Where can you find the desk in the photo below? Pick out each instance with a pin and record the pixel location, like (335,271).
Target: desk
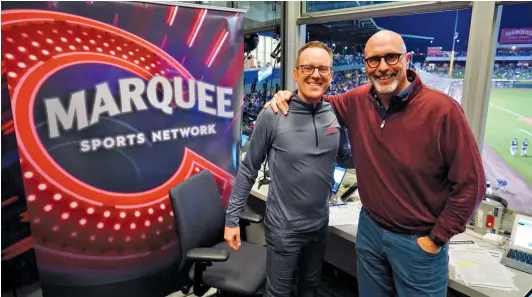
(347,235)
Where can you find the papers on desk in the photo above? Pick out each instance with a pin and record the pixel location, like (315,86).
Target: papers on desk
(477,267)
(347,214)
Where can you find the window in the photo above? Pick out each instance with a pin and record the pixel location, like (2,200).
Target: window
(217,3)
(315,6)
(260,13)
(509,116)
(262,56)
(262,69)
(431,47)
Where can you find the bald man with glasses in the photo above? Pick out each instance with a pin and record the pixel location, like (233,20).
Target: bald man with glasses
(419,173)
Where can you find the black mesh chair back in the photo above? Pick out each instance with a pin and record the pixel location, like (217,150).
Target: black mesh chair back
(198,212)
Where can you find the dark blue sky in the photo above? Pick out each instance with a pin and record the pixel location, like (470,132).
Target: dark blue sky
(440,25)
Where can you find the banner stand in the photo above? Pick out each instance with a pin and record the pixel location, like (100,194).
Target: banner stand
(113,104)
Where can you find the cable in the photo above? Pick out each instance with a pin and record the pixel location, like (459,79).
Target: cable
(496,198)
(277,51)
(265,179)
(273,71)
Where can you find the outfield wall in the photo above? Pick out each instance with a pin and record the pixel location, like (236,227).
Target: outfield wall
(521,84)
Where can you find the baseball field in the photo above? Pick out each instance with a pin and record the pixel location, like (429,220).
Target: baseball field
(509,116)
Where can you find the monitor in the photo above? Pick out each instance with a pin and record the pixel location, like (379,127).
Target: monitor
(520,247)
(338,176)
(522,233)
(245,139)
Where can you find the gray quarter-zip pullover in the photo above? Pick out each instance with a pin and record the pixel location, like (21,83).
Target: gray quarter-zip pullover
(302,149)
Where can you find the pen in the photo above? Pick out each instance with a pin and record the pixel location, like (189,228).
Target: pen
(338,204)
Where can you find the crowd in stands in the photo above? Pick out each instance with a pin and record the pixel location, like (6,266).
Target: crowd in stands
(358,58)
(338,60)
(514,73)
(519,52)
(252,103)
(352,59)
(501,52)
(437,77)
(507,71)
(443,72)
(448,54)
(255,100)
(346,80)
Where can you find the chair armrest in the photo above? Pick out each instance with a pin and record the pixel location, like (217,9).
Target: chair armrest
(207,255)
(250,217)
(203,258)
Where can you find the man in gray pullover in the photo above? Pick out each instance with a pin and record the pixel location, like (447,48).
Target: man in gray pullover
(302,150)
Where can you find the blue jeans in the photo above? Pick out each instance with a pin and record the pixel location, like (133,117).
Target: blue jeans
(392,264)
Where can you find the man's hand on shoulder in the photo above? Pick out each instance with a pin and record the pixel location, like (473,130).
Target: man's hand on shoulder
(279,102)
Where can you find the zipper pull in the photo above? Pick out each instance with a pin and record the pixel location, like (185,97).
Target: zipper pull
(383,123)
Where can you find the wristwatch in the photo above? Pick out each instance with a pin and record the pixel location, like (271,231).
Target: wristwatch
(436,240)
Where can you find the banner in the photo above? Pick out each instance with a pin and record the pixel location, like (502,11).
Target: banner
(264,73)
(434,51)
(516,36)
(113,104)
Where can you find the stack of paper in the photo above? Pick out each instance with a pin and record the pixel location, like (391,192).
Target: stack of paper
(346,214)
(477,267)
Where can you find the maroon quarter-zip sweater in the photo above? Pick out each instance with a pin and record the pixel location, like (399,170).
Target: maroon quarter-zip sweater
(418,166)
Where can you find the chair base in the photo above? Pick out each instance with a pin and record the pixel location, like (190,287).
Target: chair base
(186,291)
(259,293)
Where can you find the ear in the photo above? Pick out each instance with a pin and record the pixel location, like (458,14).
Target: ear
(294,74)
(408,57)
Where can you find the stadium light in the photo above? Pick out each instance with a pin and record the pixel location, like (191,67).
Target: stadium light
(455,37)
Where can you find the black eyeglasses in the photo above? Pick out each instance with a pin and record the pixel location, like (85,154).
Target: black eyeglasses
(391,59)
(309,70)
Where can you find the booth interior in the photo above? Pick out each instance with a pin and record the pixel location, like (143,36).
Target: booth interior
(480,54)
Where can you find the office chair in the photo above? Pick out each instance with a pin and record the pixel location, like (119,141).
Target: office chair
(205,256)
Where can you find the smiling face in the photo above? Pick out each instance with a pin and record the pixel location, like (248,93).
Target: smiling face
(387,63)
(313,72)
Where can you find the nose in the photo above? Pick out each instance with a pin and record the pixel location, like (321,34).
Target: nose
(315,74)
(383,66)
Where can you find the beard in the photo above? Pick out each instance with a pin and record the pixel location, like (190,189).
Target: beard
(385,89)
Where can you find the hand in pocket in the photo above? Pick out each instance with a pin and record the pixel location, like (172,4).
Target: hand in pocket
(428,246)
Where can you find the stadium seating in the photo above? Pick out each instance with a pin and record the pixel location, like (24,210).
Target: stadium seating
(504,75)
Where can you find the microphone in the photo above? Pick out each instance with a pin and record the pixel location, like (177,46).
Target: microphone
(348,192)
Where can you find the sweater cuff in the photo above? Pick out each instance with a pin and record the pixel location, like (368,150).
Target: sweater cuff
(231,222)
(440,235)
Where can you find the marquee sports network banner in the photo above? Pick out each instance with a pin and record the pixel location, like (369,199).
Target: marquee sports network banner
(516,35)
(114,104)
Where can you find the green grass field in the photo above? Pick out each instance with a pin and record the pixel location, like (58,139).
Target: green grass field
(509,116)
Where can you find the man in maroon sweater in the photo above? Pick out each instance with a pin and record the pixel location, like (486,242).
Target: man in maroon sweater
(419,173)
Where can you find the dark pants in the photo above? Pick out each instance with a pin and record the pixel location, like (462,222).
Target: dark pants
(290,251)
(390,263)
